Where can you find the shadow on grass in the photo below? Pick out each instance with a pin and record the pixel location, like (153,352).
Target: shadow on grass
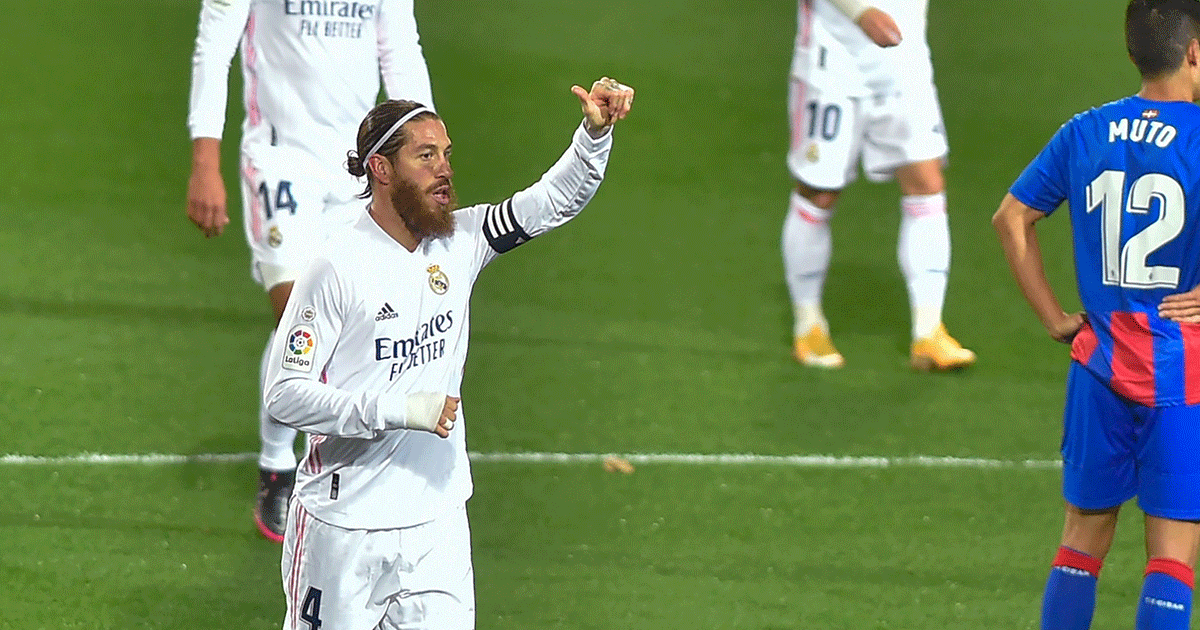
(64,308)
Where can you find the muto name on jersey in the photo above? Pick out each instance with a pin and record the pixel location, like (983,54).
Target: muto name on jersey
(425,345)
(354,14)
(1142,130)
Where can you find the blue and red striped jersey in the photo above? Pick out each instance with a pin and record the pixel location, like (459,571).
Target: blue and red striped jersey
(1130,172)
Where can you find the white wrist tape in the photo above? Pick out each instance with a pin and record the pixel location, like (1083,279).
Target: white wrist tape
(852,8)
(423,410)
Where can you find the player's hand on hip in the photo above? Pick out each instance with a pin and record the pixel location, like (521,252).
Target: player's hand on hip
(449,415)
(1065,328)
(1181,307)
(206,202)
(880,27)
(606,103)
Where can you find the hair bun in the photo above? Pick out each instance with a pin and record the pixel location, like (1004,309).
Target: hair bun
(355,165)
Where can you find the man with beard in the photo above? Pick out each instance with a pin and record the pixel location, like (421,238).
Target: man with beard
(369,362)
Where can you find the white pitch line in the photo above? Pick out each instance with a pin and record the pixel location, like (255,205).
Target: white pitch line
(716,459)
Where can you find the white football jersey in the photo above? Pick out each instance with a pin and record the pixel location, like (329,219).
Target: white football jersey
(311,69)
(370,322)
(851,57)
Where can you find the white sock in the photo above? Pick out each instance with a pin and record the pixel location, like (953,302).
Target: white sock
(278,440)
(924,253)
(807,247)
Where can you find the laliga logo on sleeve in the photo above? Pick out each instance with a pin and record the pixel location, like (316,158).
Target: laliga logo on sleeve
(298,351)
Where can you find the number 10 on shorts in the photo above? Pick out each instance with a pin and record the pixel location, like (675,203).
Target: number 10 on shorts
(827,120)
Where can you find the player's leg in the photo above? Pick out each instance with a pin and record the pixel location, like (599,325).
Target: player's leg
(1099,474)
(1166,598)
(277,456)
(282,215)
(807,248)
(907,140)
(923,250)
(823,154)
(330,574)
(1069,598)
(1168,470)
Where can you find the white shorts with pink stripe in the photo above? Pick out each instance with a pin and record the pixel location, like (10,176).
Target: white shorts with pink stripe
(291,204)
(843,115)
(390,579)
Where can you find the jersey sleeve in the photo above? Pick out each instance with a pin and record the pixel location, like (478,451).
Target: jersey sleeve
(294,391)
(1044,184)
(401,61)
(222,23)
(555,199)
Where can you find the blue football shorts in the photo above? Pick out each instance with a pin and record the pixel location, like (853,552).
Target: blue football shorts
(1114,449)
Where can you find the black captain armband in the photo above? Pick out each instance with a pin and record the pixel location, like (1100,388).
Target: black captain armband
(501,229)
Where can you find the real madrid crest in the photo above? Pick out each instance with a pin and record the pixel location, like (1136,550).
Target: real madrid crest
(813,153)
(274,237)
(438,280)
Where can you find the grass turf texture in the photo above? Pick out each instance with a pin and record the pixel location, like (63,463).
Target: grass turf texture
(656,322)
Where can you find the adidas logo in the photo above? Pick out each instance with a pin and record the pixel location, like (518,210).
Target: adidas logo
(387,312)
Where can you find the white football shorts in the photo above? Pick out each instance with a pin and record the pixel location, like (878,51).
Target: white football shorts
(414,578)
(291,203)
(844,113)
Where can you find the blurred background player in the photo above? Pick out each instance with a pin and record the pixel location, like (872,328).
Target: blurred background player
(862,90)
(311,74)
(1132,421)
(370,360)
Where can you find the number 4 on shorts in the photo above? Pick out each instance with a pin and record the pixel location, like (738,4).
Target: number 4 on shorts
(310,611)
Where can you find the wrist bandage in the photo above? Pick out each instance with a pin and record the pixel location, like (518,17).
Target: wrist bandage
(423,410)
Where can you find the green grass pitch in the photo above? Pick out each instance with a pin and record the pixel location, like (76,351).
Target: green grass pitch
(657,322)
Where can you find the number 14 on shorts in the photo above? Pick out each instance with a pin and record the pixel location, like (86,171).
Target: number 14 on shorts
(283,198)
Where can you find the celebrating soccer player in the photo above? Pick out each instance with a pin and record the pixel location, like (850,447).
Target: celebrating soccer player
(1132,422)
(369,361)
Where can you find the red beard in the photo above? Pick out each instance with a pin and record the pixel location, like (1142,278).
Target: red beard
(423,216)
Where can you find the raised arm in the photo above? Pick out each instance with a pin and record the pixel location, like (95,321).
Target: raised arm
(401,61)
(222,23)
(569,184)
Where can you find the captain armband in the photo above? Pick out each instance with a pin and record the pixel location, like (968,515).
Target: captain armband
(501,229)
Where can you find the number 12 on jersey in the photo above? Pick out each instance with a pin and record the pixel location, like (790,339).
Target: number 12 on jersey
(1125,266)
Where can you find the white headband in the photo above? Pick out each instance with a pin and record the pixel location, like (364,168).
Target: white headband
(399,123)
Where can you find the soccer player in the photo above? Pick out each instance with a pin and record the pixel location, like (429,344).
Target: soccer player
(1131,425)
(860,92)
(369,361)
(312,71)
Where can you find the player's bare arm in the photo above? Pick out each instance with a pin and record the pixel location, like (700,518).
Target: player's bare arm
(879,27)
(1014,223)
(607,102)
(206,191)
(877,24)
